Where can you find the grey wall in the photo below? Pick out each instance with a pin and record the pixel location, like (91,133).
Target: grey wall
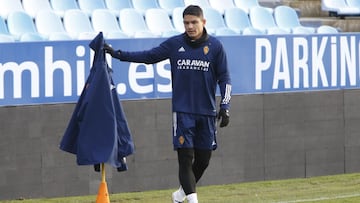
(272,136)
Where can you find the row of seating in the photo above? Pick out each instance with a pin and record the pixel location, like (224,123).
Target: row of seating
(341,8)
(47,24)
(32,7)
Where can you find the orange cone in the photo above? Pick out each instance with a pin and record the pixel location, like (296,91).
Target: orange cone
(103,194)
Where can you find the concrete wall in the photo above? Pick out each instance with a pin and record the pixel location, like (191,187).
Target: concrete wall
(272,136)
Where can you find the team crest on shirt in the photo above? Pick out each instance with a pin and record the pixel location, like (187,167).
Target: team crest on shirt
(206,50)
(181,140)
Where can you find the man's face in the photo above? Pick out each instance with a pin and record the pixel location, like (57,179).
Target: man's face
(194,26)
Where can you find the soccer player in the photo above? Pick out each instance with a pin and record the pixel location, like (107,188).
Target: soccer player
(198,64)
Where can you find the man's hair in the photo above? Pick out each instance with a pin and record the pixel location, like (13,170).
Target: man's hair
(193,10)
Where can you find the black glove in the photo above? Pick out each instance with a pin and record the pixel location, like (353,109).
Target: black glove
(224,116)
(108,49)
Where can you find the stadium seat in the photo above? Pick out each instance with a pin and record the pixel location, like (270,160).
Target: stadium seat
(326,29)
(32,7)
(88,6)
(246,5)
(60,6)
(87,35)
(116,5)
(263,20)
(222,5)
(236,19)
(48,22)
(3,27)
(9,6)
(214,20)
(116,35)
(4,33)
(353,3)
(287,18)
(303,30)
(170,5)
(76,22)
(6,38)
(252,31)
(57,36)
(143,5)
(170,33)
(158,21)
(202,3)
(103,20)
(132,21)
(339,8)
(31,37)
(225,32)
(145,34)
(20,23)
(177,19)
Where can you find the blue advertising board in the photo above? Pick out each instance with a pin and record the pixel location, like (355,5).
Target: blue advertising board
(55,72)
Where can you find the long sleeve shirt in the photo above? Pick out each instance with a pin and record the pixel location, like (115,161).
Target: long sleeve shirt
(196,69)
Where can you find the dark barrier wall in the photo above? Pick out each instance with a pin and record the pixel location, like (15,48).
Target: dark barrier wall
(271,136)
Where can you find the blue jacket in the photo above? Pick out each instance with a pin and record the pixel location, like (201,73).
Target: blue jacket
(196,69)
(98,130)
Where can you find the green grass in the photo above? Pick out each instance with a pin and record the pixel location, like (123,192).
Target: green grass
(333,189)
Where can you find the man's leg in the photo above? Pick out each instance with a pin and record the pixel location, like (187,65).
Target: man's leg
(201,162)
(186,174)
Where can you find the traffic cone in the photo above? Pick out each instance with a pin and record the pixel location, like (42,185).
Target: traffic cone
(103,194)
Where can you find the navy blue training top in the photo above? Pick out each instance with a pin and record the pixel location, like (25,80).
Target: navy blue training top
(195,72)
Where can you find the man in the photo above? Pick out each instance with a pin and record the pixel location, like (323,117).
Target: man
(198,63)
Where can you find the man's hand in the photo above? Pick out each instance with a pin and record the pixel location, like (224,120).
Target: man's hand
(108,49)
(224,116)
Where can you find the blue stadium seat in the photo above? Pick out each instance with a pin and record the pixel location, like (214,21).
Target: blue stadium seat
(252,31)
(20,23)
(263,20)
(222,5)
(339,8)
(246,5)
(32,7)
(236,19)
(3,27)
(88,6)
(31,37)
(116,35)
(132,21)
(9,6)
(225,32)
(177,19)
(145,34)
(4,33)
(6,38)
(57,36)
(116,5)
(214,20)
(326,29)
(158,22)
(77,22)
(287,18)
(170,5)
(202,3)
(48,22)
(353,3)
(103,20)
(60,6)
(143,5)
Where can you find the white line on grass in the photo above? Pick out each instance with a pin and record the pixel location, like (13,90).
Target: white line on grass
(321,198)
